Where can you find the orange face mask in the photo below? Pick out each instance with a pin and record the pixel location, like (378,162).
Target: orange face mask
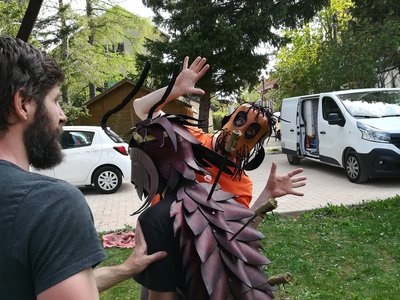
(250,124)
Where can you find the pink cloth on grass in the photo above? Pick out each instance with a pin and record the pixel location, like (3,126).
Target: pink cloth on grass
(119,239)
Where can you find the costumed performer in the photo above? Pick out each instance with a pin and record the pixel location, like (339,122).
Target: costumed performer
(212,254)
(251,122)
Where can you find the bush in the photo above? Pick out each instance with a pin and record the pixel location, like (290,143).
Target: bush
(217,119)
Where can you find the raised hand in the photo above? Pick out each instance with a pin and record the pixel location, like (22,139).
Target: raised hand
(279,186)
(188,77)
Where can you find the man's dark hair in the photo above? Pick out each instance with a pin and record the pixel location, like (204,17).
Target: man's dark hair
(25,68)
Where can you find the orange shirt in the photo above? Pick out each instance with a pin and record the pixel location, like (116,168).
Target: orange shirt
(243,188)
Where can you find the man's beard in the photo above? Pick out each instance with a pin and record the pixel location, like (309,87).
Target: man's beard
(42,142)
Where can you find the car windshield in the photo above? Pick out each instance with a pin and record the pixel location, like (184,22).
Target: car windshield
(372,104)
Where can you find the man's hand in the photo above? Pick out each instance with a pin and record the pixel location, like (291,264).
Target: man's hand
(107,277)
(188,77)
(278,186)
(139,260)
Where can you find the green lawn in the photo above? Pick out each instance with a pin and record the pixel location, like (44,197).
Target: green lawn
(332,253)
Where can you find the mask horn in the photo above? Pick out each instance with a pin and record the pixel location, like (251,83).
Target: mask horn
(29,19)
(166,93)
(225,120)
(128,98)
(256,161)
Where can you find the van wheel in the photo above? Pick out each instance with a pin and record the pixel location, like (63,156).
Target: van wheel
(354,171)
(293,159)
(107,180)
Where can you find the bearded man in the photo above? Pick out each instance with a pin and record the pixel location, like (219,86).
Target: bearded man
(49,245)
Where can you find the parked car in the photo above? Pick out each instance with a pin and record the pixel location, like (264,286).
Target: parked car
(92,157)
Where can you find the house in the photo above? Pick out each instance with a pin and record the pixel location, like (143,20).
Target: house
(122,121)
(267,85)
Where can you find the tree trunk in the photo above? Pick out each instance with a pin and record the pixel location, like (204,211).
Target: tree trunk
(204,111)
(89,14)
(64,47)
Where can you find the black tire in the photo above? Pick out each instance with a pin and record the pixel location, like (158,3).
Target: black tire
(293,159)
(107,180)
(355,172)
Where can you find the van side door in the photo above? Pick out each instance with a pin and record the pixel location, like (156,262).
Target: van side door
(331,131)
(290,125)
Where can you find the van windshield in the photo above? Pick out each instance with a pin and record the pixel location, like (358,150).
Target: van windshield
(372,104)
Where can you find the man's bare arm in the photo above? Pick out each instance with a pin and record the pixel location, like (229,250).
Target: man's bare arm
(184,84)
(79,286)
(106,277)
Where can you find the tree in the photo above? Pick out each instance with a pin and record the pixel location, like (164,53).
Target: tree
(297,62)
(227,33)
(378,23)
(11,14)
(96,48)
(314,60)
(348,45)
(249,95)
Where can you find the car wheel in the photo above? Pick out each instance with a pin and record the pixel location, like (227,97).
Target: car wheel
(354,171)
(107,180)
(293,159)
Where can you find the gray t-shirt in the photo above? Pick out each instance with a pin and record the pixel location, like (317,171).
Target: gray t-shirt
(46,232)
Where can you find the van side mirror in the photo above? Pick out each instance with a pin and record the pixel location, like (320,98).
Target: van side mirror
(335,119)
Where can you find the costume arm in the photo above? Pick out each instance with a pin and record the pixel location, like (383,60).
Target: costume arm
(184,84)
(106,277)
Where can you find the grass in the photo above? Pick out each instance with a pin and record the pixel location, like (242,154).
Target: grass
(333,253)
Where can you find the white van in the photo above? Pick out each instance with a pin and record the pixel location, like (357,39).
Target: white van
(358,130)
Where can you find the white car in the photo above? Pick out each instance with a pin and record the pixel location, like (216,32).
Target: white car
(92,157)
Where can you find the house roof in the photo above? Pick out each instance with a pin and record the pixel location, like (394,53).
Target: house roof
(115,86)
(268,84)
(183,100)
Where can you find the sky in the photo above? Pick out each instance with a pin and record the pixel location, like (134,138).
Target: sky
(136,7)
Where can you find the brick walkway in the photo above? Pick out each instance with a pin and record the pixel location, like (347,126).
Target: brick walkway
(325,185)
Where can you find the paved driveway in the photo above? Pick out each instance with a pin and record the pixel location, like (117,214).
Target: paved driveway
(325,184)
